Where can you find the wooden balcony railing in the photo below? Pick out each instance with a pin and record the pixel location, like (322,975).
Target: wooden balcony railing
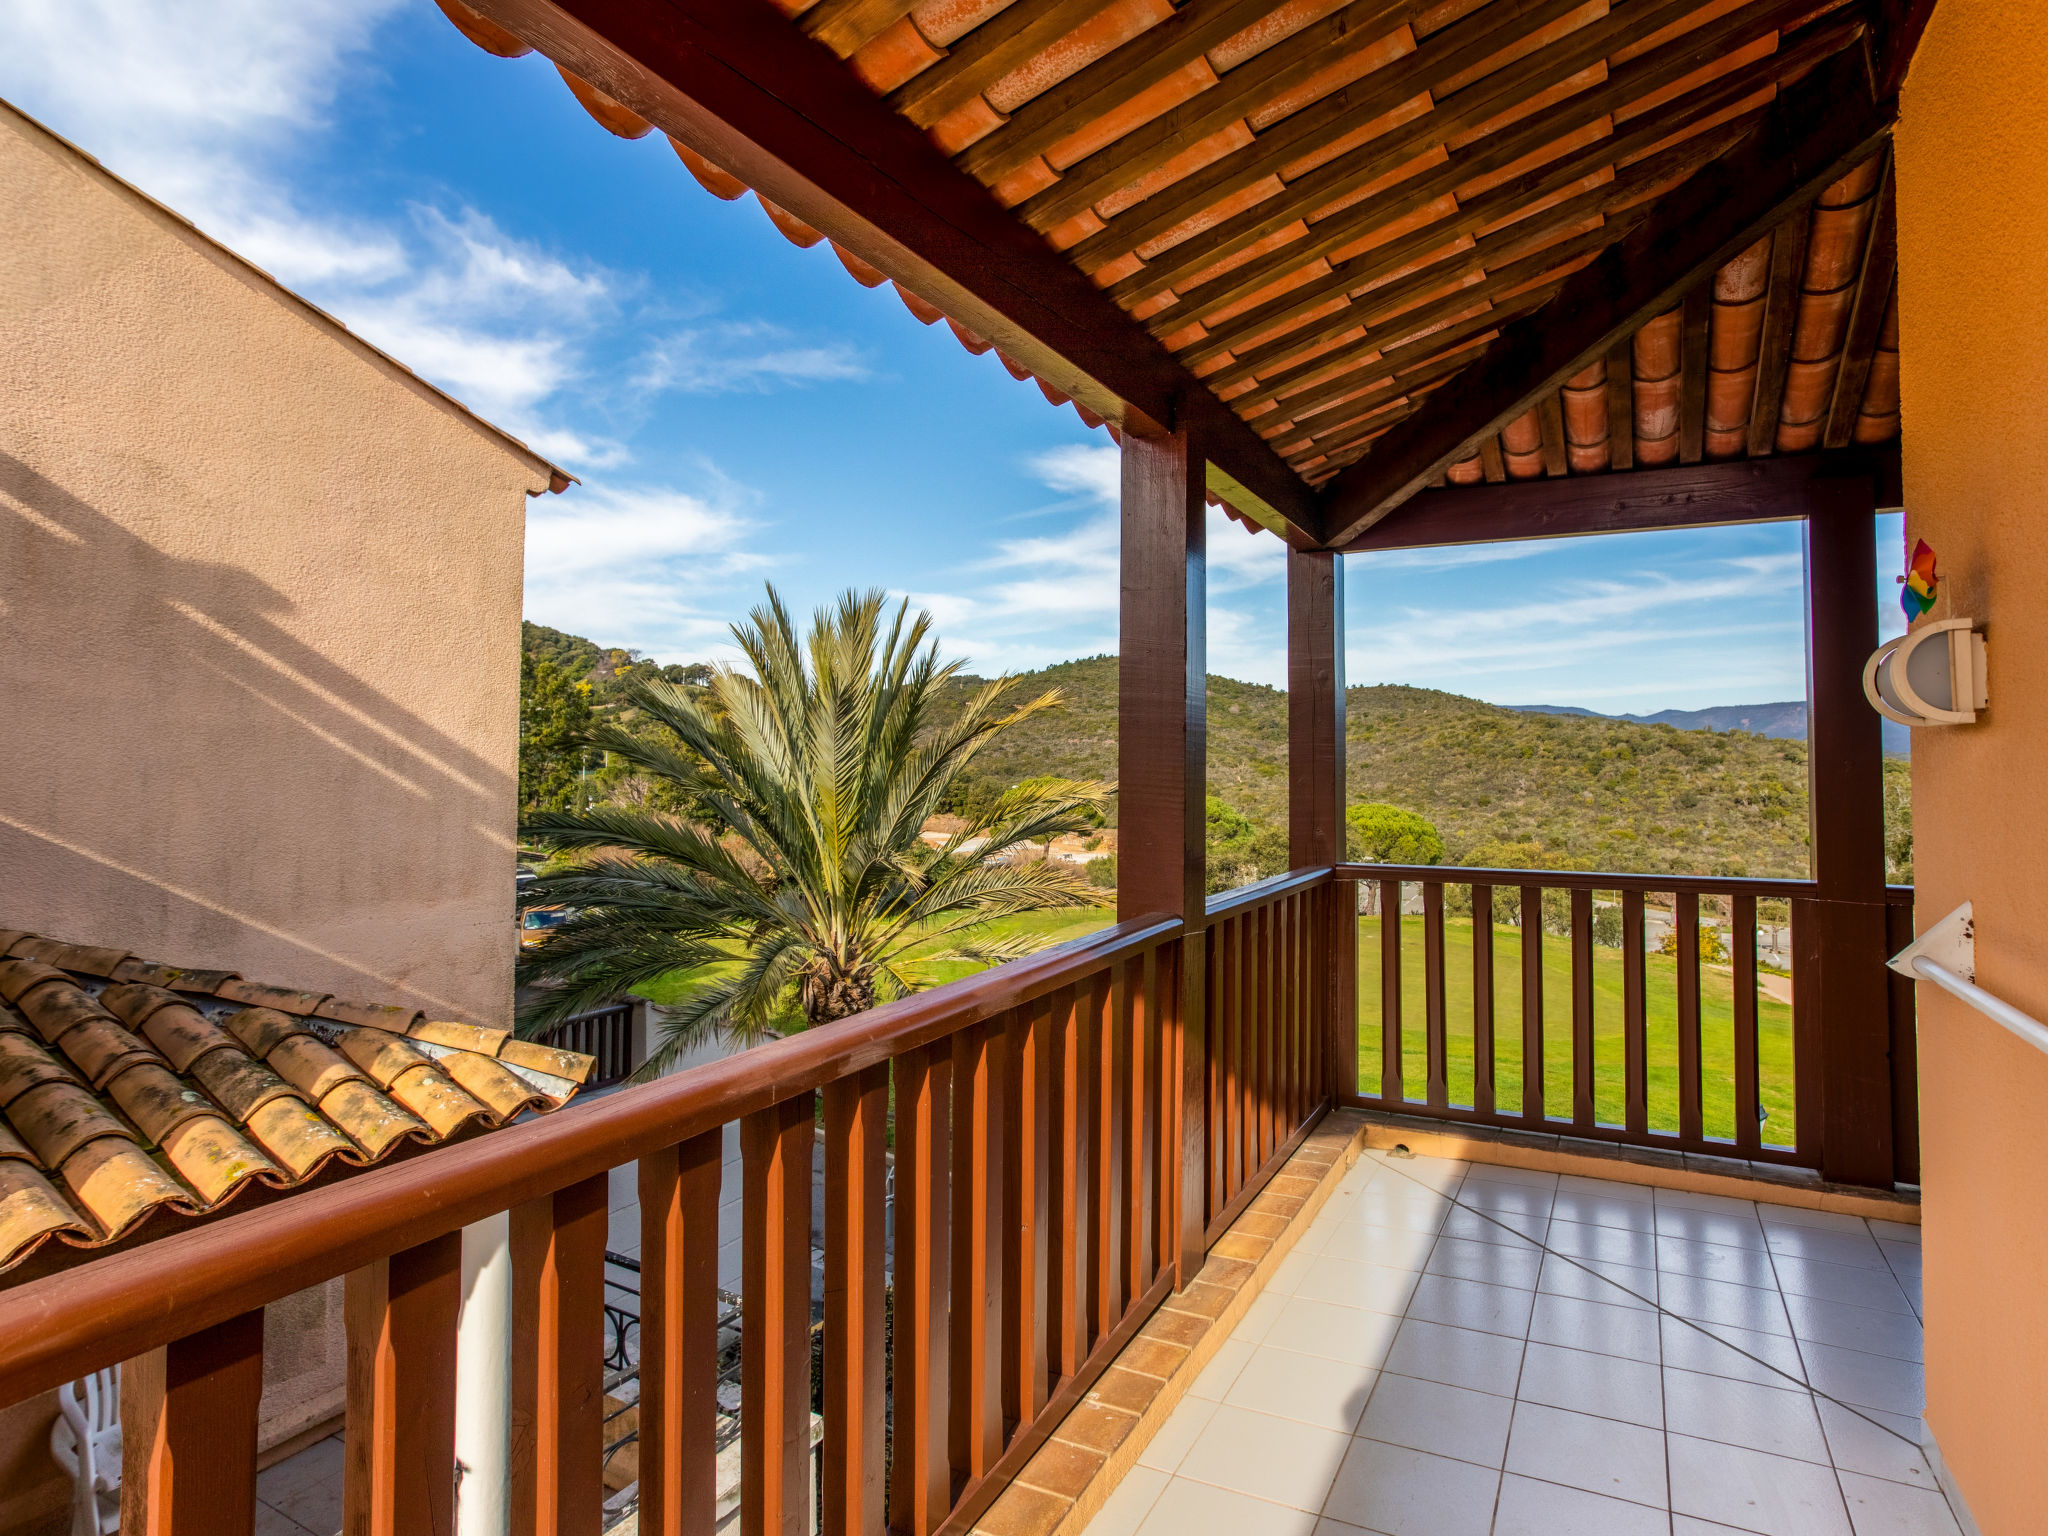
(1064,1143)
(1521,1020)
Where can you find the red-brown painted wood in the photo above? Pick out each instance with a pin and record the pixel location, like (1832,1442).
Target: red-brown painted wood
(1582,1009)
(1686,916)
(1067,1182)
(1742,932)
(975,1334)
(1390,990)
(1109,1060)
(188,1419)
(1482,998)
(679,1337)
(1635,1043)
(920,1478)
(856,1195)
(775,1351)
(1532,1002)
(1434,1010)
(1028,1115)
(399,1471)
(1344,987)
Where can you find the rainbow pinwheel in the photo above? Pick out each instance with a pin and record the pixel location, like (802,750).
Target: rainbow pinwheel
(1916,590)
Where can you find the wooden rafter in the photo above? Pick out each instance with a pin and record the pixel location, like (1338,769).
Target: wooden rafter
(1812,133)
(1682,496)
(743,88)
(1866,320)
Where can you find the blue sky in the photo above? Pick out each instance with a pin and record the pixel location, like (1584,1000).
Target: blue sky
(740,410)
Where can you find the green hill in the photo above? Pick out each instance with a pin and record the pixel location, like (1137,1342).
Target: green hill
(1503,786)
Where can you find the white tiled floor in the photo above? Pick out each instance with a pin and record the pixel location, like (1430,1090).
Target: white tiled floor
(1479,1351)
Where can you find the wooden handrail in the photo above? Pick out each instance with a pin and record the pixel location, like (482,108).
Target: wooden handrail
(123,1305)
(1599,880)
(1230,903)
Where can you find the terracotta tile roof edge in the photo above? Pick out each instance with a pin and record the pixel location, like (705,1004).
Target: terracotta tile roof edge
(130,1087)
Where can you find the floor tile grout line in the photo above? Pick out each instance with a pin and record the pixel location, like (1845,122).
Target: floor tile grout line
(1662,1311)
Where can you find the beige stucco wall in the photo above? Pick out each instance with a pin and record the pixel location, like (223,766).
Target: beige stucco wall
(1973,262)
(259,617)
(259,653)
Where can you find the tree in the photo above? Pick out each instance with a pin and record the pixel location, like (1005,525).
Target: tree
(803,881)
(1239,850)
(554,715)
(1386,834)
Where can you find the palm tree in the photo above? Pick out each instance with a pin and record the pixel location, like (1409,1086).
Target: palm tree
(801,868)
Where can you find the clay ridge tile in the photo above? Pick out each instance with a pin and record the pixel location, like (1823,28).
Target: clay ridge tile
(377,1015)
(32,1210)
(429,1093)
(384,1056)
(13,1146)
(215,1159)
(154,1098)
(290,1130)
(184,1035)
(86,959)
(460,1037)
(9,937)
(371,1120)
(182,978)
(313,1068)
(503,1091)
(260,995)
(117,1184)
(573,1065)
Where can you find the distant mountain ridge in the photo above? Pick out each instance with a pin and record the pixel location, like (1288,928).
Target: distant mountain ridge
(1785,721)
(1780,722)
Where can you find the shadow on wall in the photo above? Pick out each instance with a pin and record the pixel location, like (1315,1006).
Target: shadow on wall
(181,772)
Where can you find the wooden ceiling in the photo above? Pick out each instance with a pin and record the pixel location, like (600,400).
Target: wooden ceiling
(1398,243)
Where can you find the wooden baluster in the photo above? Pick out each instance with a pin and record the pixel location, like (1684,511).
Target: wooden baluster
(1316,936)
(558,1360)
(1290,1015)
(1391,1085)
(1634,1017)
(1344,984)
(399,1471)
(1171,1110)
(1438,1033)
(1067,1180)
(1742,932)
(920,1481)
(1245,1028)
(1532,1002)
(775,1318)
(1106,1158)
(1297,1013)
(1482,999)
(1184,1072)
(188,1422)
(856,1197)
(975,1394)
(1582,1009)
(1269,1031)
(1217,996)
(1808,1062)
(1139,1106)
(679,1337)
(1027,1211)
(1687,916)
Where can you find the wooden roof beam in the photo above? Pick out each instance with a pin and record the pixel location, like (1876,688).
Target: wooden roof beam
(1813,133)
(1683,496)
(743,86)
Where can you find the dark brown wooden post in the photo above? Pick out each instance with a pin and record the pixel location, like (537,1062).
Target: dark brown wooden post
(1161,763)
(1316,794)
(1841,931)
(188,1416)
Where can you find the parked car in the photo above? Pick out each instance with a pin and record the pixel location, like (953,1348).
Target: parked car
(536,924)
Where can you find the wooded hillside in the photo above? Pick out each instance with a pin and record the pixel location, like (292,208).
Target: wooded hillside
(1503,786)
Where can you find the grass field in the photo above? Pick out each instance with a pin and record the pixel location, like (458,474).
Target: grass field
(1717,1047)
(1054,927)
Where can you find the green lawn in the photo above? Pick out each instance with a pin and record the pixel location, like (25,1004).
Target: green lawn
(1717,1051)
(1056,927)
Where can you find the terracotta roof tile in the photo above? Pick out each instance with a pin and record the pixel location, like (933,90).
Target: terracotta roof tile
(129,1087)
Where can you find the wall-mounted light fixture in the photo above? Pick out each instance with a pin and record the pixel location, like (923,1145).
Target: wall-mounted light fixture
(1931,675)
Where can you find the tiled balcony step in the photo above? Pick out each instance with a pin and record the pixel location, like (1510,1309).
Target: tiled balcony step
(1547,1152)
(1062,1487)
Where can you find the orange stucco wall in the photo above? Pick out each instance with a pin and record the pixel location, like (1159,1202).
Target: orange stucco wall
(1973,261)
(259,617)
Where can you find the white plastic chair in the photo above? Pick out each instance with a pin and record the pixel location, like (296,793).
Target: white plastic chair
(86,1442)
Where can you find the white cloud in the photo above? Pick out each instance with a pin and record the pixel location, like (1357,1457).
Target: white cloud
(651,566)
(743,357)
